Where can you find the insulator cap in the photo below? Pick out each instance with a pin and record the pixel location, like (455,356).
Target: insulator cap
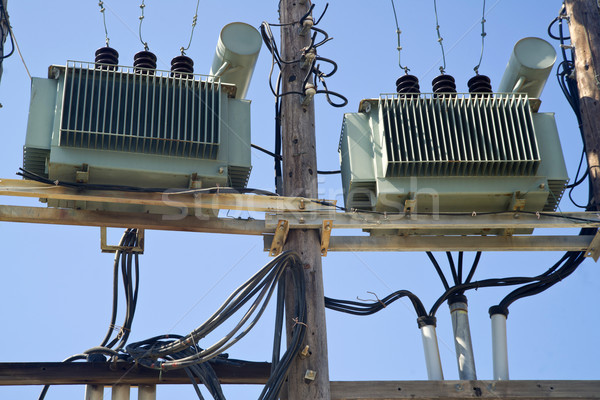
(182,67)
(408,85)
(144,62)
(498,310)
(107,56)
(444,85)
(480,85)
(457,298)
(426,320)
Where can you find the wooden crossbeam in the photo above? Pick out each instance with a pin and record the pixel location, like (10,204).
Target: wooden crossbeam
(68,216)
(452,390)
(245,372)
(82,373)
(192,198)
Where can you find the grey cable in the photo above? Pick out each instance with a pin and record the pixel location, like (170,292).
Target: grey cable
(194,21)
(102,9)
(483,35)
(440,38)
(142,6)
(398,32)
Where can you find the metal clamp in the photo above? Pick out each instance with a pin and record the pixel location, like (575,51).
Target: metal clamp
(325,235)
(594,248)
(106,248)
(281,232)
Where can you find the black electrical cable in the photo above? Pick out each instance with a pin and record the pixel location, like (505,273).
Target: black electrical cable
(329,172)
(460,266)
(278,325)
(473,267)
(362,308)
(266,151)
(130,275)
(452,268)
(167,352)
(438,269)
(570,261)
(4,18)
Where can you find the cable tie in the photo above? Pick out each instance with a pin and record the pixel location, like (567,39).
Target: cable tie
(296,322)
(56,182)
(473,214)
(537,214)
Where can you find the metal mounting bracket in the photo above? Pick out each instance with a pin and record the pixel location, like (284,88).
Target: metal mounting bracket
(106,248)
(594,249)
(325,235)
(281,232)
(517,203)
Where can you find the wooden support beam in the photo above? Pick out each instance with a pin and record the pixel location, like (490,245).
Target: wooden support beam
(421,223)
(452,390)
(192,198)
(82,373)
(455,243)
(68,216)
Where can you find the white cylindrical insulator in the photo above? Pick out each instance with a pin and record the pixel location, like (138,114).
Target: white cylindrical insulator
(499,347)
(94,392)
(462,341)
(432,353)
(147,392)
(121,392)
(236,55)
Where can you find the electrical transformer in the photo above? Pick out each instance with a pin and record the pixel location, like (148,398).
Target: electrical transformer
(105,124)
(454,153)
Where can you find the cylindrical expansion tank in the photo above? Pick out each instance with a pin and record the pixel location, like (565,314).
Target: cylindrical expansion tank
(528,68)
(236,55)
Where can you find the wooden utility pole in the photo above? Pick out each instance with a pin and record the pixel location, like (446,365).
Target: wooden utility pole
(308,377)
(584,27)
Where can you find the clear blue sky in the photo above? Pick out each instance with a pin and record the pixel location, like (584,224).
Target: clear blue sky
(57,284)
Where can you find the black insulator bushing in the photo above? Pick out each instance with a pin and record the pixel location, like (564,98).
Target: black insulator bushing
(444,85)
(107,56)
(182,67)
(144,62)
(408,84)
(480,85)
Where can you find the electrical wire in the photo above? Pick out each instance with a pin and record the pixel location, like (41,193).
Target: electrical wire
(142,6)
(313,70)
(102,11)
(194,21)
(483,35)
(440,39)
(166,352)
(129,264)
(398,33)
(362,308)
(438,269)
(14,41)
(565,74)
(171,191)
(4,20)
